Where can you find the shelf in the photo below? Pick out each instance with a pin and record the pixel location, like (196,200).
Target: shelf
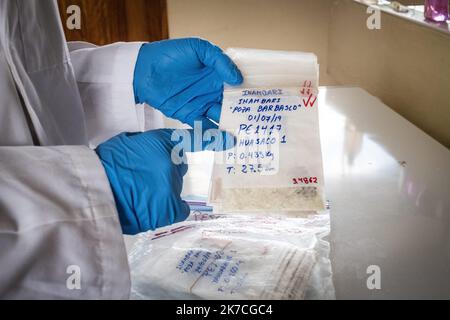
(415,14)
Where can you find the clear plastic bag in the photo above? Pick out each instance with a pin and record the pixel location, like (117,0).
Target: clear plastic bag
(276,165)
(233,257)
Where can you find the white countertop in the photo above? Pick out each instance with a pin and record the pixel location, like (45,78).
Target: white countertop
(389,187)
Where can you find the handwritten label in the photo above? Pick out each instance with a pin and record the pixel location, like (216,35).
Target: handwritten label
(277,151)
(262,117)
(219,267)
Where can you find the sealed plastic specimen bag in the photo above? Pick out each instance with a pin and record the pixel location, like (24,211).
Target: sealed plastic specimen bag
(233,257)
(277,163)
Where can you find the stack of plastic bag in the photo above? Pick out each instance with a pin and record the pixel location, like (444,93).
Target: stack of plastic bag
(233,257)
(270,68)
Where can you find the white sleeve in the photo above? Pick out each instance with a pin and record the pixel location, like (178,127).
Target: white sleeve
(60,235)
(105,81)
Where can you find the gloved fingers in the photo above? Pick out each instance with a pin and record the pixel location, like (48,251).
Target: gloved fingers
(212,56)
(212,138)
(190,140)
(167,209)
(182,90)
(227,70)
(214,112)
(183,211)
(218,140)
(182,167)
(202,124)
(215,139)
(191,107)
(209,105)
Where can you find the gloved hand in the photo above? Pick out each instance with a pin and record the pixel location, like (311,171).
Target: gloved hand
(145,180)
(184,78)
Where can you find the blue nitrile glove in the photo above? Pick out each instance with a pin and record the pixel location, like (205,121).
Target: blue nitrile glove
(146,180)
(183,78)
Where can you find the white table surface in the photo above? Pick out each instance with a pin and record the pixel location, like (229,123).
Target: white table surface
(389,187)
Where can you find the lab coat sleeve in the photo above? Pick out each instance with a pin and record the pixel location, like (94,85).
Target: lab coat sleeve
(105,80)
(60,235)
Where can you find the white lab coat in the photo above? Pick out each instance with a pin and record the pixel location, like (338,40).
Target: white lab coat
(105,76)
(58,219)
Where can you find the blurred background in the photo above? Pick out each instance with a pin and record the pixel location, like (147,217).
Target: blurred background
(405,63)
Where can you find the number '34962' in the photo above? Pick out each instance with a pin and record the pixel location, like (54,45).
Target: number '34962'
(304,180)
